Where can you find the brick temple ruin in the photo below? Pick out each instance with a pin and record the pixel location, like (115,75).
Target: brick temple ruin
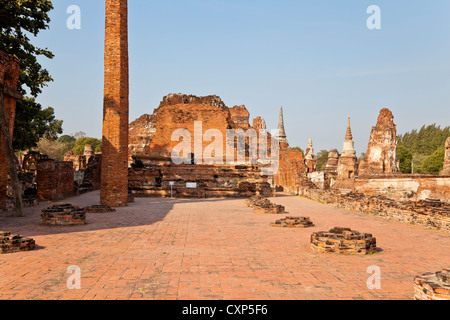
(137,158)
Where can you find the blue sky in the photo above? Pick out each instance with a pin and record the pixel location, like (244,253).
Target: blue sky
(316,58)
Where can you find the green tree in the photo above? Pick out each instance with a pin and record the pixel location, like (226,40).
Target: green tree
(405,157)
(33,123)
(82,142)
(67,139)
(322,159)
(434,163)
(20,19)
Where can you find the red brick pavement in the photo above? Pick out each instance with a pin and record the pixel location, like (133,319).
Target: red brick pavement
(212,249)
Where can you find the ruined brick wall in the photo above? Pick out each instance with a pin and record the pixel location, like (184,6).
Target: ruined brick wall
(9,76)
(292,165)
(406,187)
(446,170)
(428,213)
(114,182)
(79,162)
(381,156)
(55,180)
(151,135)
(240,117)
(152,179)
(92,174)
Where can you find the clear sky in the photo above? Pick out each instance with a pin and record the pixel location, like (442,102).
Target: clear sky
(316,58)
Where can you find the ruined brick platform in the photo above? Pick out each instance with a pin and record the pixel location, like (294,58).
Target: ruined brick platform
(293,222)
(263,205)
(14,243)
(344,241)
(63,215)
(99,208)
(433,286)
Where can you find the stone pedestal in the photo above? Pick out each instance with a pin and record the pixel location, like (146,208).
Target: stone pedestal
(433,286)
(343,241)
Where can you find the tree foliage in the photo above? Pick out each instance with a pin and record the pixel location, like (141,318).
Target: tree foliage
(434,163)
(18,20)
(82,142)
(322,159)
(424,148)
(33,123)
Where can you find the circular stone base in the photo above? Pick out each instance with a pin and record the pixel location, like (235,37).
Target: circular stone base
(433,286)
(293,222)
(343,241)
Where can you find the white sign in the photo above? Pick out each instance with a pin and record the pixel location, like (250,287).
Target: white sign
(191,185)
(171,183)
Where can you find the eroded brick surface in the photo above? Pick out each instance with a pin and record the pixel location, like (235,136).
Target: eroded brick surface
(9,75)
(11,243)
(293,222)
(264,205)
(433,286)
(343,241)
(114,172)
(63,215)
(54,179)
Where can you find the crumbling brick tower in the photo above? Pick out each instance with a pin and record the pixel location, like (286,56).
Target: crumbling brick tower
(9,76)
(114,176)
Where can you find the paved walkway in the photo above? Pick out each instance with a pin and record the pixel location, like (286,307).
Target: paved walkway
(212,249)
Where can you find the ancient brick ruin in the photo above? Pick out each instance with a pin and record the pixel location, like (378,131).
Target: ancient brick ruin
(433,286)
(12,243)
(428,213)
(99,208)
(63,215)
(347,167)
(310,158)
(281,136)
(158,177)
(55,180)
(293,222)
(114,172)
(151,135)
(381,156)
(9,76)
(446,170)
(343,241)
(264,206)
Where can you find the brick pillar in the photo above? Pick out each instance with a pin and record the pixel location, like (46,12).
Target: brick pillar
(114,175)
(9,76)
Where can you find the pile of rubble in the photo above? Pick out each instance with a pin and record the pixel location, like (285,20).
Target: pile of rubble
(63,215)
(98,208)
(293,222)
(344,241)
(263,205)
(433,286)
(429,213)
(14,243)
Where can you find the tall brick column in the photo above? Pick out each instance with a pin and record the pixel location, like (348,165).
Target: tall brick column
(9,76)
(114,176)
